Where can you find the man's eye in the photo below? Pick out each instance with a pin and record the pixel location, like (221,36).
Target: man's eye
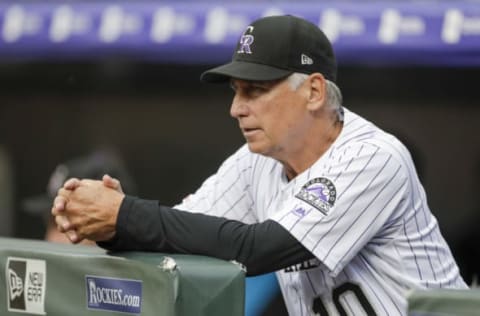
(257,89)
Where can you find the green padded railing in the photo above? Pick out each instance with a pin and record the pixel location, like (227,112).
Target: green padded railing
(40,278)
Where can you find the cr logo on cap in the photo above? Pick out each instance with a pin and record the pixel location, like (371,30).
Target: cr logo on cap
(245,41)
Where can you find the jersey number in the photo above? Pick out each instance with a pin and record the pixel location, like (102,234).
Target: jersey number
(320,309)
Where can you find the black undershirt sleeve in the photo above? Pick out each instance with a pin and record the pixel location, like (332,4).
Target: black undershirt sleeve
(144,225)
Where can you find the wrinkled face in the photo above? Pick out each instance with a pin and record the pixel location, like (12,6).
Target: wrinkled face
(271,115)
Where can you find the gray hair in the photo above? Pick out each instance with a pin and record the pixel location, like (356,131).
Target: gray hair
(334,95)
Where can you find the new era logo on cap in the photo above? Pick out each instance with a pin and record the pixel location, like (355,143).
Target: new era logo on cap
(306,60)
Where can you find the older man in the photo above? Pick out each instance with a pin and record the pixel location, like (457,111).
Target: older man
(318,194)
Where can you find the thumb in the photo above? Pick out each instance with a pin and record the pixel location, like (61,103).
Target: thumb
(112,183)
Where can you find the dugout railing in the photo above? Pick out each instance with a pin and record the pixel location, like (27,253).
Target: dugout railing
(40,278)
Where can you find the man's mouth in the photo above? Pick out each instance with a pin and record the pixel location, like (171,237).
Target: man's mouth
(249,131)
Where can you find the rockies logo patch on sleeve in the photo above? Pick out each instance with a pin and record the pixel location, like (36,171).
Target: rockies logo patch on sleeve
(319,193)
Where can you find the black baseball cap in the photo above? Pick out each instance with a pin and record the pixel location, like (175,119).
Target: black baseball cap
(274,47)
(91,166)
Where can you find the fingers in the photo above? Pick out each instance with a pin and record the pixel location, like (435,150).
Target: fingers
(112,183)
(74,237)
(71,184)
(59,209)
(60,201)
(59,204)
(66,227)
(63,224)
(88,208)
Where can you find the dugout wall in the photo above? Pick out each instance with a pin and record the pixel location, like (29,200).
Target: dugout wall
(40,278)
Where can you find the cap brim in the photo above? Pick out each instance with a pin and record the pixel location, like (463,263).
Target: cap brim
(37,205)
(244,71)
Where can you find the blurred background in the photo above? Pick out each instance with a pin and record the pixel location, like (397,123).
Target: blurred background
(81,75)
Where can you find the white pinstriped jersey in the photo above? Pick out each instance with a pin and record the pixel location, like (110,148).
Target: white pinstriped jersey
(360,209)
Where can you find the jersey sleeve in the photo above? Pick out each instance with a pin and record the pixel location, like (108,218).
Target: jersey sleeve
(227,192)
(345,203)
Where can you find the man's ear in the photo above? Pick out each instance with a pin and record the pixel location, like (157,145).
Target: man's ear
(318,91)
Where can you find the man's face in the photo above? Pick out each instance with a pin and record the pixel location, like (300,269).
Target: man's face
(271,116)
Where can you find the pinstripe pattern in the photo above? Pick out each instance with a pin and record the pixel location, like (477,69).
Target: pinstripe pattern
(350,227)
(379,237)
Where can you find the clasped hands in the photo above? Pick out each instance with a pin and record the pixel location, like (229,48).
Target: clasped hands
(88,209)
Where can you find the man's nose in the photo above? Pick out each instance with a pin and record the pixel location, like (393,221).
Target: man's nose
(238,108)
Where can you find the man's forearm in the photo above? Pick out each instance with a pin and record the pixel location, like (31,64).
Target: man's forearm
(147,226)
